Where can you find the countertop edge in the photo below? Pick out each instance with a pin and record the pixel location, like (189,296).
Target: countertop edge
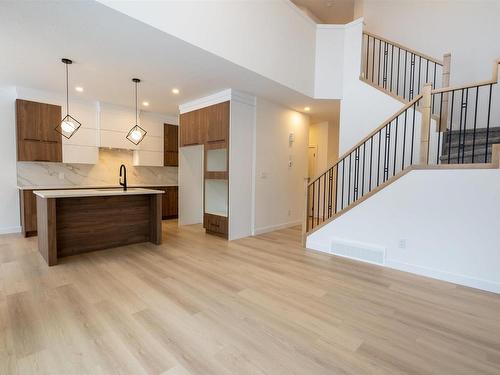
(81,193)
(54,187)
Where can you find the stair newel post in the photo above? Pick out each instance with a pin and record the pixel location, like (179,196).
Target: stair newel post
(445,83)
(425,124)
(306,211)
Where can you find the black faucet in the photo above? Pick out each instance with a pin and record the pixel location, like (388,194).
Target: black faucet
(124,183)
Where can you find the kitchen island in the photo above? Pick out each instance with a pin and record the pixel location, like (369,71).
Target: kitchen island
(76,221)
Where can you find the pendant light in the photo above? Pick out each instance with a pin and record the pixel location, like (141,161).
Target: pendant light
(136,134)
(69,125)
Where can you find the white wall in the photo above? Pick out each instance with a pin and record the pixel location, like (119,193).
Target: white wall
(241,168)
(466,29)
(363,107)
(272,38)
(9,196)
(448,220)
(329,61)
(279,189)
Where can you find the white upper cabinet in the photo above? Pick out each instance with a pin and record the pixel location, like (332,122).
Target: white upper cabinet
(114,124)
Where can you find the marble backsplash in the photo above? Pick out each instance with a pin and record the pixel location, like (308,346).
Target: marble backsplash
(104,173)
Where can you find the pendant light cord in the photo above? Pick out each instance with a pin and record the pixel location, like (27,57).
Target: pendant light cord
(67,91)
(136,103)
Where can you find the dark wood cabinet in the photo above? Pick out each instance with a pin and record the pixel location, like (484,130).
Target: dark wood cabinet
(218,123)
(28,212)
(37,139)
(171,145)
(215,224)
(192,128)
(170,205)
(209,125)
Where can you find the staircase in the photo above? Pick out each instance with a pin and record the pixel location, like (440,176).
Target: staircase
(469,146)
(438,125)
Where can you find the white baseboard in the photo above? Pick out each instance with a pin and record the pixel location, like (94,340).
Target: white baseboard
(9,230)
(272,228)
(490,286)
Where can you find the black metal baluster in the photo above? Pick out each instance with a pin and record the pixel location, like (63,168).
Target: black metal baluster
(312,204)
(434,83)
(413,131)
(427,72)
(355,183)
(308,194)
(373,61)
(330,188)
(324,196)
(392,64)
(475,125)
(404,142)
(419,85)
(405,69)
(386,65)
(367,54)
(399,63)
(395,145)
(319,199)
(343,183)
(465,122)
(488,127)
(363,178)
(379,146)
(378,66)
(349,182)
(451,125)
(460,127)
(371,164)
(411,82)
(336,187)
(387,145)
(439,149)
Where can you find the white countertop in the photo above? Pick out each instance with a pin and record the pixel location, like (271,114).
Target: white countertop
(64,187)
(75,193)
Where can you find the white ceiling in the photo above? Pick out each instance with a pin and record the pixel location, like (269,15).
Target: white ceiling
(329,11)
(109,48)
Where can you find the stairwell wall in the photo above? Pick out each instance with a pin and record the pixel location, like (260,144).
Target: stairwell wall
(363,107)
(437,223)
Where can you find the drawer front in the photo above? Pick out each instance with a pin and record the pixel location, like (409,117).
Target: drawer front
(215,224)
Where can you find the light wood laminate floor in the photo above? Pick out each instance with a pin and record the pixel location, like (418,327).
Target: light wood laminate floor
(263,305)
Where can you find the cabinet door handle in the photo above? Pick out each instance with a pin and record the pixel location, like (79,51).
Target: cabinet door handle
(32,139)
(217,140)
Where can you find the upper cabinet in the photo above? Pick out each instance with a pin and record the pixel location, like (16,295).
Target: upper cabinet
(209,125)
(171,145)
(37,139)
(218,123)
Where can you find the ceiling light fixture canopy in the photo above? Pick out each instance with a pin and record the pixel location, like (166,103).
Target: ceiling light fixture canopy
(136,134)
(69,125)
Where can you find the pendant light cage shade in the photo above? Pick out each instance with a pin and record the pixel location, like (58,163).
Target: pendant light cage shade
(136,134)
(68,126)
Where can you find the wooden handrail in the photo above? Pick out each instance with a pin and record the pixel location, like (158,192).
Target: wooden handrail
(398,45)
(371,134)
(492,81)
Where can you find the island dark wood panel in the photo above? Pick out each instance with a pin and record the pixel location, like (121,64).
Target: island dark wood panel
(69,226)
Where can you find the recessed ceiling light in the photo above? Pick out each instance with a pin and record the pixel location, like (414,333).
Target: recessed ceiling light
(79,88)
(307,109)
(145,104)
(175,91)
